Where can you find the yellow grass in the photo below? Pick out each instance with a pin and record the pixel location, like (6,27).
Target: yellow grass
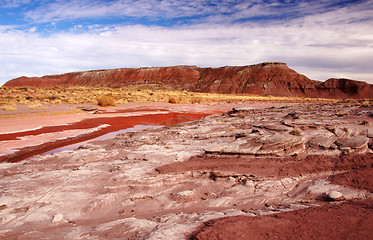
(105,100)
(38,106)
(40,97)
(9,108)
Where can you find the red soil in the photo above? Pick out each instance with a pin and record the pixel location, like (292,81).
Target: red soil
(350,220)
(270,167)
(362,178)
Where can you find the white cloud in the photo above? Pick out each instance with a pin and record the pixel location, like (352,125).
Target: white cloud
(337,43)
(32,30)
(199,10)
(13,3)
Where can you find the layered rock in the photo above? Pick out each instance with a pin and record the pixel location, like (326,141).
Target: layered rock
(164,183)
(268,78)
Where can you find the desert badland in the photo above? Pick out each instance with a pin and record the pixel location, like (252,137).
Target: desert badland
(240,152)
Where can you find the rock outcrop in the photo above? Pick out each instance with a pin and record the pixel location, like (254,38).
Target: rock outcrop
(268,78)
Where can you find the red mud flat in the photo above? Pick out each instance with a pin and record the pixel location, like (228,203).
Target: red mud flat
(273,167)
(350,220)
(362,178)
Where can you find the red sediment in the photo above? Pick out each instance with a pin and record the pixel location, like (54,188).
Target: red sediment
(362,178)
(351,220)
(270,167)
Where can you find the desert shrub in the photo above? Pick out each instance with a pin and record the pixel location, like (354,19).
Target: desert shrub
(56,101)
(105,100)
(172,100)
(195,100)
(296,132)
(37,106)
(365,122)
(9,108)
(365,103)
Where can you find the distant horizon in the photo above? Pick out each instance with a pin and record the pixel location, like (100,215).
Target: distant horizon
(319,39)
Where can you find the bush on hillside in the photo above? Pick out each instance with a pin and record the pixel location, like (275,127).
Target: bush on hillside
(105,100)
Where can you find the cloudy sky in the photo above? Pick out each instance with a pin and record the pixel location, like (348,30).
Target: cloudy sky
(320,39)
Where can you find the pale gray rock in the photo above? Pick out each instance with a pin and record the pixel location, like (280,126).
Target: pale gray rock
(89,146)
(277,127)
(57,218)
(322,142)
(243,109)
(333,146)
(88,108)
(368,113)
(250,148)
(352,142)
(215,148)
(287,123)
(370,133)
(335,196)
(275,144)
(292,115)
(336,131)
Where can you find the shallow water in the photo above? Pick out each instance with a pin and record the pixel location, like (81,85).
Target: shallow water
(116,125)
(109,135)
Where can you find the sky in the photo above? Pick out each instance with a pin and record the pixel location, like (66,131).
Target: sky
(320,39)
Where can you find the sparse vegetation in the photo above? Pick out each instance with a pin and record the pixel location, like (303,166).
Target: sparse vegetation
(9,108)
(172,100)
(340,113)
(366,103)
(38,106)
(148,93)
(365,122)
(105,100)
(296,132)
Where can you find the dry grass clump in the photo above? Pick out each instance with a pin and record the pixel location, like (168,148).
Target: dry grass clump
(365,122)
(105,100)
(37,106)
(9,108)
(296,132)
(366,103)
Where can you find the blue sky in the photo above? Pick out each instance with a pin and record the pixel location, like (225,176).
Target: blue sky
(320,39)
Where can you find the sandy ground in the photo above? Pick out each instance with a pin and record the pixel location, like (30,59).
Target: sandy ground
(260,170)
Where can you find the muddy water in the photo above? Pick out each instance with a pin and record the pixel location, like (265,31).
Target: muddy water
(115,125)
(109,135)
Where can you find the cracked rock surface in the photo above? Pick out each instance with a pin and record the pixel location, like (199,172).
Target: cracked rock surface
(166,183)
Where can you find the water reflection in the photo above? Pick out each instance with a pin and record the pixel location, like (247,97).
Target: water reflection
(109,135)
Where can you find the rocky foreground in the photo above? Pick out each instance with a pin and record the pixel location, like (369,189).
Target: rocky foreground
(295,171)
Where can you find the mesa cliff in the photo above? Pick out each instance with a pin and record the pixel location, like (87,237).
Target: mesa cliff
(268,78)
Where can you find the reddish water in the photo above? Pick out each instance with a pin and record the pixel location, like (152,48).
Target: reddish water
(116,124)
